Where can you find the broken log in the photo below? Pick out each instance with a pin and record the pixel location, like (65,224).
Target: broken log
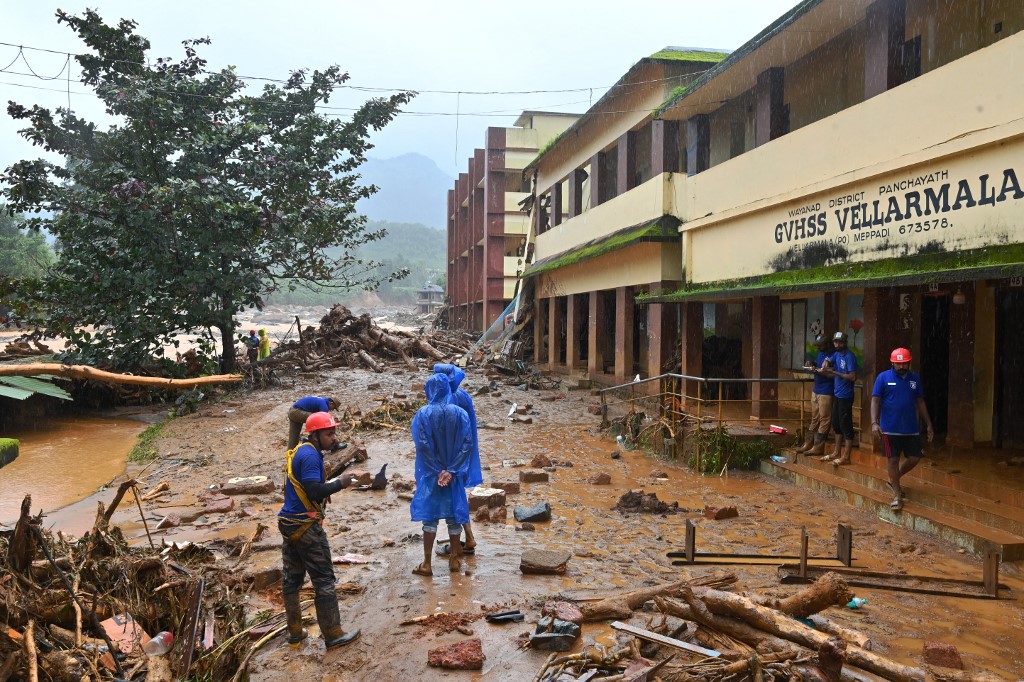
(370,362)
(22,547)
(848,634)
(828,590)
(93,374)
(782,625)
(622,606)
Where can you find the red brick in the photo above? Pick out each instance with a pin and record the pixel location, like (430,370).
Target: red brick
(533,476)
(945,655)
(465,655)
(510,487)
(719,513)
(600,479)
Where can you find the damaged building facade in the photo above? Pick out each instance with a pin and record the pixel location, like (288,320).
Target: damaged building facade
(487,227)
(854,167)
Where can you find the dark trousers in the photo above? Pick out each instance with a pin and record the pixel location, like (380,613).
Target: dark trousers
(296,422)
(842,417)
(309,554)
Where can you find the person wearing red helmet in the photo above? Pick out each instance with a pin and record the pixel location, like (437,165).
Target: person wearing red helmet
(305,548)
(252,346)
(897,411)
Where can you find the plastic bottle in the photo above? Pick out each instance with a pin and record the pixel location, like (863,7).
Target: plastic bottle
(856,603)
(159,645)
(778,458)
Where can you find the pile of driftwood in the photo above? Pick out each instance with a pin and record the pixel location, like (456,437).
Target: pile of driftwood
(24,347)
(83,609)
(345,340)
(701,633)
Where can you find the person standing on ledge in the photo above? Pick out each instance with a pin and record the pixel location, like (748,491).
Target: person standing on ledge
(301,410)
(897,412)
(821,403)
(842,366)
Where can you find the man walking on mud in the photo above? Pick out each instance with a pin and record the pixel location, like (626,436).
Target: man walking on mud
(305,548)
(441,433)
(897,410)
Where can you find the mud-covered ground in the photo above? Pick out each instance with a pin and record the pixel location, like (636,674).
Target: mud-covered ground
(245,434)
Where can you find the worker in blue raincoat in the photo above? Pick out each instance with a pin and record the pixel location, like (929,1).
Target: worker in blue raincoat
(461,398)
(443,441)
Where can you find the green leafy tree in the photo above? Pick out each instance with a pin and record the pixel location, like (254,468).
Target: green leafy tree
(197,202)
(24,259)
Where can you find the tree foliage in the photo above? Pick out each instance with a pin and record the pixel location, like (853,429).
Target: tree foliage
(23,253)
(198,201)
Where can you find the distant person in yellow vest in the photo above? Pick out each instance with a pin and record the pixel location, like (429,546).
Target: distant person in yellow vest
(305,548)
(264,345)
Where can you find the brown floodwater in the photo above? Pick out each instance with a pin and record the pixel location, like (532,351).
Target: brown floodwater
(65,462)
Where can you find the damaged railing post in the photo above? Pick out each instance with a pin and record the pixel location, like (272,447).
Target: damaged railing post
(699,402)
(604,410)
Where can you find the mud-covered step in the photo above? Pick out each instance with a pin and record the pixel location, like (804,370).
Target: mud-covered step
(951,501)
(970,535)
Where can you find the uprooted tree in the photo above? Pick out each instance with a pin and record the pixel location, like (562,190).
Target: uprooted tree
(196,202)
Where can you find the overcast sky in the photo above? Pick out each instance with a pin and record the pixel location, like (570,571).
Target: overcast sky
(455,45)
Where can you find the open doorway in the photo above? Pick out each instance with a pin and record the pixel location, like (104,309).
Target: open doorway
(1009,427)
(935,359)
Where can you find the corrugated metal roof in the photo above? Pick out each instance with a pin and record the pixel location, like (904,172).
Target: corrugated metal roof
(16,393)
(30,385)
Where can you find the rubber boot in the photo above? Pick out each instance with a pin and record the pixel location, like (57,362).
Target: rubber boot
(808,443)
(845,458)
(819,445)
(329,618)
(293,611)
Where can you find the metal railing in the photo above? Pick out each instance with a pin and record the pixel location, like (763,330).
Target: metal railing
(683,401)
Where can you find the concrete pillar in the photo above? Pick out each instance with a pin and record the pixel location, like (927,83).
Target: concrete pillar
(595,358)
(597,178)
(765,356)
(692,342)
(554,338)
(662,331)
(698,144)
(664,146)
(960,425)
(575,206)
(881,333)
(572,331)
(540,322)
(883,46)
(625,309)
(556,204)
(831,320)
(769,107)
(626,167)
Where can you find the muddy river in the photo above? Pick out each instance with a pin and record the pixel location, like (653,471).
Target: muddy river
(67,461)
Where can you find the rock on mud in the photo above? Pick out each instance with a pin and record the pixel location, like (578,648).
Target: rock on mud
(248,485)
(638,502)
(536,512)
(719,513)
(485,497)
(533,476)
(540,461)
(467,655)
(544,561)
(945,655)
(562,610)
(510,487)
(600,479)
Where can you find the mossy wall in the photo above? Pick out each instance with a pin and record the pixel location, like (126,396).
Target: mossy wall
(9,448)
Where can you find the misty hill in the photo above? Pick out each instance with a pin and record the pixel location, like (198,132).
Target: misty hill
(412,189)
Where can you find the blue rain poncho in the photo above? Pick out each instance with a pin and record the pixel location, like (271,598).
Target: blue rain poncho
(461,398)
(441,433)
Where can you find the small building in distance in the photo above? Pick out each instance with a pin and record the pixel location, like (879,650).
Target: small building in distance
(429,298)
(487,227)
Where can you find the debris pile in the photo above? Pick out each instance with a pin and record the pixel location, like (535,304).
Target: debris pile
(638,502)
(26,346)
(345,340)
(84,609)
(706,634)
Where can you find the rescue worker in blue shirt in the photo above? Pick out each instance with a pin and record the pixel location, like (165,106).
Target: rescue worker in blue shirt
(821,402)
(301,410)
(842,366)
(443,441)
(897,410)
(305,548)
(462,398)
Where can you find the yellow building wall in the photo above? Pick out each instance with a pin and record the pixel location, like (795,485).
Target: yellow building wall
(523,138)
(950,29)
(638,265)
(645,203)
(915,131)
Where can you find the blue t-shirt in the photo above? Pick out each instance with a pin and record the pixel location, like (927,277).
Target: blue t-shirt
(312,404)
(845,362)
(307,465)
(898,415)
(823,385)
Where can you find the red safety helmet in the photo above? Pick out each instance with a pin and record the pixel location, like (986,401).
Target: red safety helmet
(318,421)
(900,355)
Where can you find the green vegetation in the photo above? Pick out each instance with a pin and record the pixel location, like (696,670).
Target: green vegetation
(673,97)
(994,261)
(548,145)
(691,55)
(145,449)
(8,450)
(199,199)
(23,253)
(411,247)
(663,229)
(719,450)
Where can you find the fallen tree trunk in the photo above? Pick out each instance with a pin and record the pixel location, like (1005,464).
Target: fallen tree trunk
(828,590)
(776,623)
(622,605)
(93,374)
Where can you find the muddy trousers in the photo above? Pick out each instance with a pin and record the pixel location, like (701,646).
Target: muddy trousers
(296,422)
(821,414)
(311,554)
